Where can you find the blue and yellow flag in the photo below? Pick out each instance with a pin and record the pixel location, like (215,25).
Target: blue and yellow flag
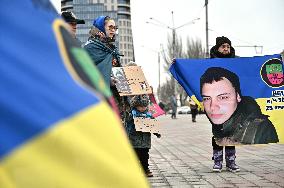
(56,128)
(254,79)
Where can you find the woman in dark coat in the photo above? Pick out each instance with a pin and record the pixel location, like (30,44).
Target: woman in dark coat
(104,53)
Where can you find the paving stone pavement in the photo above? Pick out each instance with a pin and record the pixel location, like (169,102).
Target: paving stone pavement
(182,158)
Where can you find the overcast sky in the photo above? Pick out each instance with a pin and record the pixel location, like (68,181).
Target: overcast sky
(244,22)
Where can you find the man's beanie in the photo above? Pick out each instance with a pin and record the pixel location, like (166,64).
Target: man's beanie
(139,100)
(222,40)
(99,23)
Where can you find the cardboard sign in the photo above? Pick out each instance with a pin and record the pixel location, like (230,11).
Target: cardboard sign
(130,81)
(146,125)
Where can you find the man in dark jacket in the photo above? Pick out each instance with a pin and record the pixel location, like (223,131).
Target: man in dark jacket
(223,49)
(174,107)
(71,19)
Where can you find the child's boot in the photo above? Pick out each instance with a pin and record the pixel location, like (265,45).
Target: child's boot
(230,155)
(218,160)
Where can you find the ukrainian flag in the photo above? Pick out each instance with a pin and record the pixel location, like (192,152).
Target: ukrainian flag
(260,77)
(54,131)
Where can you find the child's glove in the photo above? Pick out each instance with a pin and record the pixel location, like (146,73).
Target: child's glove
(157,135)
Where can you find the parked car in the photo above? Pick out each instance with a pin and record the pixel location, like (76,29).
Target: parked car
(183,110)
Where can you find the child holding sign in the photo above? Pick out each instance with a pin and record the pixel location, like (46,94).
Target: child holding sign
(141,141)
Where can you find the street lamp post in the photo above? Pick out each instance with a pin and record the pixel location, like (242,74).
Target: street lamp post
(174,47)
(173,29)
(159,64)
(206,24)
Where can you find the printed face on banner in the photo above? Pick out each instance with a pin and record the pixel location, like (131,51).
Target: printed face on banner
(272,73)
(121,81)
(235,119)
(220,100)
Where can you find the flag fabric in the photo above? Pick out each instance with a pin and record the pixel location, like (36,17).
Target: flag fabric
(260,77)
(56,128)
(154,108)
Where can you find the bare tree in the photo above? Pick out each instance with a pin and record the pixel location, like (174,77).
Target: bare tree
(194,49)
(169,54)
(167,90)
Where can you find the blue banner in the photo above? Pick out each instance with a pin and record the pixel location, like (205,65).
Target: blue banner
(253,84)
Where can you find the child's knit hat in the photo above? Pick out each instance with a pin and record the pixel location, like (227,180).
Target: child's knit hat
(139,100)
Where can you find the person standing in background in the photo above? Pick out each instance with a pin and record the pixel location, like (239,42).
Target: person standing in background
(174,107)
(193,109)
(71,19)
(223,49)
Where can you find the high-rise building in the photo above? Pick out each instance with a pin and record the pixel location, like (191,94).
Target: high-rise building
(125,31)
(66,5)
(119,10)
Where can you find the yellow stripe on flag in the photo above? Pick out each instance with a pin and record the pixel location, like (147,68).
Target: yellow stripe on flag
(87,150)
(276,117)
